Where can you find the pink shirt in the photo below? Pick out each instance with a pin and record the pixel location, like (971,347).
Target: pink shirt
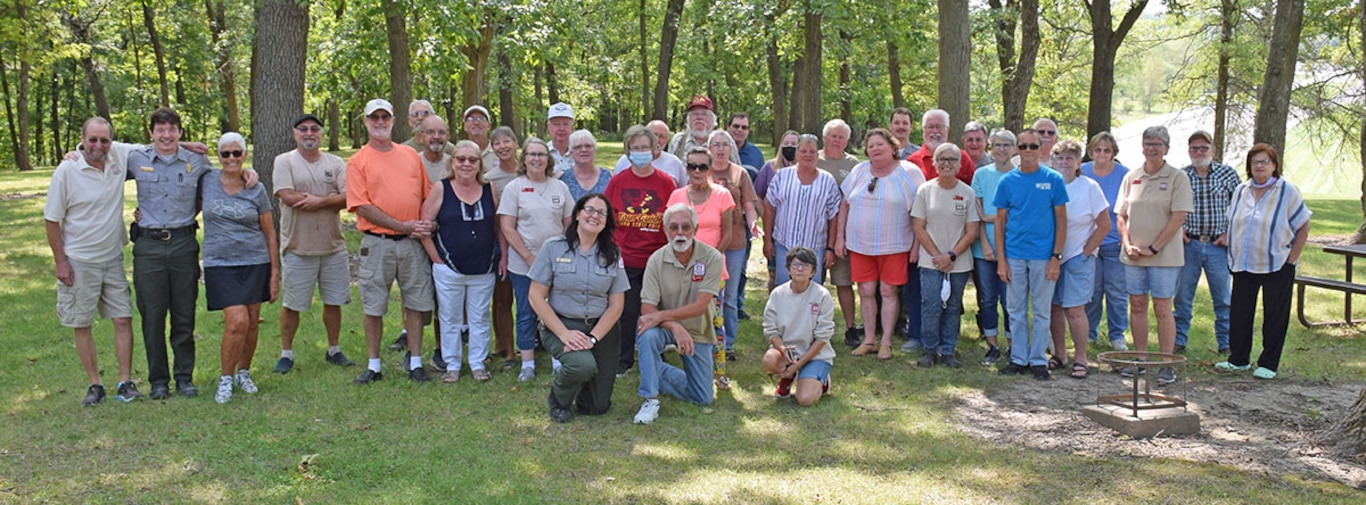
(708,213)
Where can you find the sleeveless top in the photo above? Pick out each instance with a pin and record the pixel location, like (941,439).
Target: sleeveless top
(465,237)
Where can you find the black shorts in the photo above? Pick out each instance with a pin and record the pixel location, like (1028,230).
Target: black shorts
(243,285)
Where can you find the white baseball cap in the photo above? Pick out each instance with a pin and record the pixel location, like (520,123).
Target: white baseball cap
(477,108)
(560,109)
(378,104)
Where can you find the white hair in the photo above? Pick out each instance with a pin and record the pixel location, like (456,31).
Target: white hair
(943,114)
(724,136)
(232,138)
(415,103)
(836,123)
(581,136)
(681,208)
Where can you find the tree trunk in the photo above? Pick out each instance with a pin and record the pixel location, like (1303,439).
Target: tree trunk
(1360,236)
(644,65)
(1273,102)
(777,83)
(217,25)
(1348,435)
(1017,75)
(9,111)
(1226,14)
(21,157)
(806,85)
(846,108)
(80,32)
(955,58)
(149,21)
(539,127)
(551,86)
(334,125)
(668,37)
(400,68)
(473,83)
(507,107)
(57,150)
(1105,42)
(894,74)
(281,41)
(36,152)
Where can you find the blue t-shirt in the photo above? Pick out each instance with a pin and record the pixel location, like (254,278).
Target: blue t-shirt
(1109,186)
(1029,200)
(232,224)
(984,184)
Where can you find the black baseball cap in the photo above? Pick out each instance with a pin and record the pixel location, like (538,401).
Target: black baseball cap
(307,117)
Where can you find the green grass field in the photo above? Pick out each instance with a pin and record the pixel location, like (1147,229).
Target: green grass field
(885,436)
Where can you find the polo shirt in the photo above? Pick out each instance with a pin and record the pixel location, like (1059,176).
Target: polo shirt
(681,143)
(947,213)
(412,142)
(394,181)
(669,284)
(638,204)
(168,186)
(580,283)
(310,232)
(564,161)
(986,159)
(498,177)
(666,162)
(1029,199)
(540,209)
(88,203)
(924,158)
(1149,201)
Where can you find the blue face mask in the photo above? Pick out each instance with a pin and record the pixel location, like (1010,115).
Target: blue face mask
(640,159)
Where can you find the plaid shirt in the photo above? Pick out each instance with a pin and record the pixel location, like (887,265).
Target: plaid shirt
(1212,196)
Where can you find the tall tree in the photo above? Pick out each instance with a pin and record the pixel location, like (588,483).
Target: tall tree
(1273,102)
(644,64)
(846,107)
(9,111)
(806,83)
(277,82)
(507,105)
(1227,11)
(1105,41)
(80,33)
(955,61)
(149,21)
(400,67)
(777,80)
(668,39)
(21,154)
(1017,74)
(217,29)
(894,74)
(477,49)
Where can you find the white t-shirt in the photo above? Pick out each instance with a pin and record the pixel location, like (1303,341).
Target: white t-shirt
(1085,201)
(540,209)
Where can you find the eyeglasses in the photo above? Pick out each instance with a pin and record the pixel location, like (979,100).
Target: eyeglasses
(1105,150)
(466,160)
(1049,133)
(476,119)
(308,128)
(1261,162)
(1002,145)
(420,113)
(718,145)
(593,211)
(699,167)
(380,117)
(740,126)
(1028,147)
(437,132)
(230,154)
(1199,149)
(947,161)
(1153,145)
(582,147)
(798,265)
(873,185)
(535,155)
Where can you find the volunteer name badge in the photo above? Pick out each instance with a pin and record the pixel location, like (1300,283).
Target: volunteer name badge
(699,270)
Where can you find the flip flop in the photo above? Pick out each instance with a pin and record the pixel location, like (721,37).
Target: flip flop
(1079,371)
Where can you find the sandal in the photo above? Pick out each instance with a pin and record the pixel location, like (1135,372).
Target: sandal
(884,353)
(1055,363)
(1079,371)
(481,375)
(864,348)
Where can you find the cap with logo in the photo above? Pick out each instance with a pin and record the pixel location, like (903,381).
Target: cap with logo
(476,108)
(700,101)
(560,109)
(1201,134)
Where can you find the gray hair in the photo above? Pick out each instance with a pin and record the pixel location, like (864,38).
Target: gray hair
(634,132)
(974,126)
(723,135)
(232,138)
(503,131)
(1002,134)
(581,136)
(941,113)
(415,103)
(681,208)
(836,123)
(948,146)
(97,120)
(1158,132)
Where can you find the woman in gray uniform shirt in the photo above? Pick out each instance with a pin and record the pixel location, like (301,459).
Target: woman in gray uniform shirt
(578,287)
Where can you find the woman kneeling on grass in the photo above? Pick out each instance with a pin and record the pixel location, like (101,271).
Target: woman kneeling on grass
(798,321)
(241,260)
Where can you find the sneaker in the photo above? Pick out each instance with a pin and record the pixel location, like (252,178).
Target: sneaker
(438,362)
(244,381)
(367,377)
(338,359)
(160,392)
(127,392)
(927,360)
(1166,375)
(526,374)
(224,392)
(1040,372)
(622,370)
(992,357)
(451,376)
(853,337)
(93,395)
(825,387)
(287,364)
(1128,371)
(912,346)
(950,361)
(558,413)
(1012,368)
(649,411)
(742,316)
(1224,366)
(730,355)
(784,388)
(418,374)
(186,388)
(669,348)
(1119,345)
(400,343)
(1179,349)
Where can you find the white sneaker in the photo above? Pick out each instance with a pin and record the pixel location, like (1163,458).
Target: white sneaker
(244,381)
(649,410)
(224,389)
(1119,345)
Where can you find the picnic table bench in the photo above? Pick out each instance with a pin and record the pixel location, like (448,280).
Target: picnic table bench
(1346,286)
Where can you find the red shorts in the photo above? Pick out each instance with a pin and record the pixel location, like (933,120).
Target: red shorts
(889,268)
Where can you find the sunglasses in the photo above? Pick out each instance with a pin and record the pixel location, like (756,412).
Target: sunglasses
(381,117)
(1028,147)
(699,167)
(309,129)
(740,126)
(230,154)
(1047,132)
(466,160)
(873,185)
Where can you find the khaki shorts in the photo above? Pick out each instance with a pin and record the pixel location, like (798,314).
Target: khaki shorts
(102,286)
(383,261)
(331,274)
(840,274)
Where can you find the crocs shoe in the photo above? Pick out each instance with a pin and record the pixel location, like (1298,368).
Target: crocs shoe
(1224,366)
(1264,373)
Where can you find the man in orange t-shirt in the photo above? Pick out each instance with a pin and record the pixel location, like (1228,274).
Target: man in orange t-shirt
(385,186)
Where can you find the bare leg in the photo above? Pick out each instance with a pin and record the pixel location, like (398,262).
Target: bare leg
(235,324)
(1076,322)
(374,328)
(1138,321)
(289,325)
(846,296)
(412,321)
(248,349)
(123,347)
(331,321)
(1057,329)
(890,308)
(868,306)
(1166,324)
(85,348)
(808,392)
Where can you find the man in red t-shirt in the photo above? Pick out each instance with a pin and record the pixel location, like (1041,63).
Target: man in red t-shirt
(935,127)
(638,198)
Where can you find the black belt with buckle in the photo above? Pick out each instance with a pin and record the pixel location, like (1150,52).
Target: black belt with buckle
(1201,238)
(165,234)
(382,235)
(590,322)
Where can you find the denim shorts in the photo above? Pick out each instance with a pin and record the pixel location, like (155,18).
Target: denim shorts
(815,369)
(1160,282)
(1076,281)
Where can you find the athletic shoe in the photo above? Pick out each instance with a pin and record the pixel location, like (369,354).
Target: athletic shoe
(93,395)
(1014,369)
(244,381)
(1166,375)
(825,387)
(1119,345)
(186,388)
(160,392)
(649,411)
(1040,372)
(400,343)
(224,392)
(367,377)
(950,361)
(1224,366)
(558,413)
(784,388)
(927,360)
(438,362)
(912,346)
(127,392)
(853,337)
(339,359)
(730,355)
(418,374)
(1128,371)
(993,356)
(287,364)
(526,374)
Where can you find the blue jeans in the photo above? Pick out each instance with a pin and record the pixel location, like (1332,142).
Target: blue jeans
(526,318)
(780,275)
(990,294)
(1028,290)
(692,383)
(1213,260)
(744,277)
(1111,290)
(730,299)
(940,321)
(911,306)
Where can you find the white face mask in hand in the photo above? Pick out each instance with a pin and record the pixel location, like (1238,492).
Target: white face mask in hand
(944,290)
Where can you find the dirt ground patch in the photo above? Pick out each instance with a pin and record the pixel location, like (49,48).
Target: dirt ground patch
(1268,427)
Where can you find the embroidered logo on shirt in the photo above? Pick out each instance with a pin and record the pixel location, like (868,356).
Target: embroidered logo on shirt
(699,270)
(1137,182)
(959,198)
(815,308)
(555,200)
(1046,186)
(528,189)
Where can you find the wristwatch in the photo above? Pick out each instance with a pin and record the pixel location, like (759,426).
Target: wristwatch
(1057,256)
(1153,249)
(952,256)
(592,339)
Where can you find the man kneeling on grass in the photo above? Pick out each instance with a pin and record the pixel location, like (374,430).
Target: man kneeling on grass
(679,289)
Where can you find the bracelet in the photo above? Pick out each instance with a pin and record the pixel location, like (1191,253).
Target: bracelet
(1153,249)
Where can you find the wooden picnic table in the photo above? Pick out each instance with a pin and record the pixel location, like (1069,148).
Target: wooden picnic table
(1346,286)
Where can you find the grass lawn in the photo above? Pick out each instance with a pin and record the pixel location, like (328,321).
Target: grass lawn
(886,435)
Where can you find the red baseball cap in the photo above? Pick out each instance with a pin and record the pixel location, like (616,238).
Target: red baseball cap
(699,101)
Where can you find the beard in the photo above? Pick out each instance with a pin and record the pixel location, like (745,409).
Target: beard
(436,147)
(699,133)
(310,143)
(381,133)
(681,244)
(1203,162)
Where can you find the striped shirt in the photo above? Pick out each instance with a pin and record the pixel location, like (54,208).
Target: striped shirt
(1261,231)
(879,220)
(802,213)
(1212,194)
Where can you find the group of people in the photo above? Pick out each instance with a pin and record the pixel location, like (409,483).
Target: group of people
(515,245)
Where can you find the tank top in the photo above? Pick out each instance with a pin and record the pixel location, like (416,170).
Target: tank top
(465,237)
